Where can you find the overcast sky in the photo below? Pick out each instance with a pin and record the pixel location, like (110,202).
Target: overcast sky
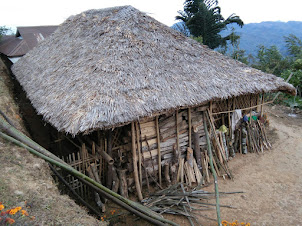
(45,12)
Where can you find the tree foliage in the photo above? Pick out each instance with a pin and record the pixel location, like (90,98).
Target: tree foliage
(203,18)
(293,45)
(3,31)
(232,49)
(270,60)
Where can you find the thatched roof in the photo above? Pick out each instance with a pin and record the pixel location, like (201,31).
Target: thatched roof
(104,68)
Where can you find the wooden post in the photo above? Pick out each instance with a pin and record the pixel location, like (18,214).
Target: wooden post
(139,155)
(115,180)
(134,159)
(60,143)
(211,107)
(229,117)
(158,149)
(83,157)
(167,174)
(98,201)
(97,179)
(197,148)
(177,132)
(123,182)
(190,127)
(101,144)
(261,108)
(251,107)
(109,152)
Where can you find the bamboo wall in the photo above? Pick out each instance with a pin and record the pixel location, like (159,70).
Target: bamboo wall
(161,140)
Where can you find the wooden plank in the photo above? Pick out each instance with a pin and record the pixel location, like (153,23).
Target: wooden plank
(147,124)
(150,142)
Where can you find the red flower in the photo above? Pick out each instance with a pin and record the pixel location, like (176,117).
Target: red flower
(10,220)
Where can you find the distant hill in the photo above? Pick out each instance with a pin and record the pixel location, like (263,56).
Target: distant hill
(264,33)
(267,34)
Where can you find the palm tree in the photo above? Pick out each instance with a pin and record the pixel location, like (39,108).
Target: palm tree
(203,18)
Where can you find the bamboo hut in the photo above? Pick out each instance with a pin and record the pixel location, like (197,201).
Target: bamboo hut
(130,93)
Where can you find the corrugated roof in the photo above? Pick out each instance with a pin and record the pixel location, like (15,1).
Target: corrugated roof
(26,39)
(104,68)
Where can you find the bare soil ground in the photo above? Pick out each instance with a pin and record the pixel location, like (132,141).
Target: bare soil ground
(26,181)
(271,181)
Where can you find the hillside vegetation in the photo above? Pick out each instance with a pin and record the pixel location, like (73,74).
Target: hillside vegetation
(266,34)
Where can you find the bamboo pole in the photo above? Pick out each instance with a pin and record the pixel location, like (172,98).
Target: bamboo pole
(11,131)
(158,150)
(212,126)
(177,132)
(134,159)
(7,119)
(131,206)
(139,155)
(190,127)
(261,105)
(213,170)
(262,102)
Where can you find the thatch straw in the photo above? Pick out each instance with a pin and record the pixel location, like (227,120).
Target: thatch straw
(104,68)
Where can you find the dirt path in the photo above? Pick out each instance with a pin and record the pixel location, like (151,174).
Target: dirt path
(272,181)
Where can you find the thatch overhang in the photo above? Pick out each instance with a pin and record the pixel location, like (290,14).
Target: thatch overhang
(105,68)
